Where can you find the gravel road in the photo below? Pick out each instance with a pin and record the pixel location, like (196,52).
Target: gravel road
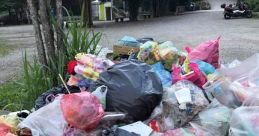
(239,37)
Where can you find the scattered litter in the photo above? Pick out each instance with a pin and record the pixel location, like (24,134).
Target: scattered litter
(150,89)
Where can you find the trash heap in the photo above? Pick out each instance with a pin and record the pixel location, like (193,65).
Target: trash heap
(159,91)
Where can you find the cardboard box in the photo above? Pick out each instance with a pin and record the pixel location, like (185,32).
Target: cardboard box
(124,50)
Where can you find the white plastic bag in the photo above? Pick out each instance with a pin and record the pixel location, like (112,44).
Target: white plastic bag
(47,121)
(245,121)
(100,93)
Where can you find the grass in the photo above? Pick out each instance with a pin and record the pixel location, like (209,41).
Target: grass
(36,78)
(22,92)
(5,49)
(11,97)
(256,15)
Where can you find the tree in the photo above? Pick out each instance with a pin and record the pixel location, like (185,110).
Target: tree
(60,43)
(87,13)
(45,39)
(15,8)
(38,37)
(47,28)
(133,9)
(6,5)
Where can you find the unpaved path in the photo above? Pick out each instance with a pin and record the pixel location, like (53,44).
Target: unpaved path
(215,4)
(239,37)
(21,39)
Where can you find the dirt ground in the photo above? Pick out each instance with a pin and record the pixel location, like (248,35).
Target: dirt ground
(239,37)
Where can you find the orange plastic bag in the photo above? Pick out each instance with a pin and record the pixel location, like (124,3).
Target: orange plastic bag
(82,110)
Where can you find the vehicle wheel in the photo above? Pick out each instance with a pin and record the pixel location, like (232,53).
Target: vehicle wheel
(226,16)
(249,15)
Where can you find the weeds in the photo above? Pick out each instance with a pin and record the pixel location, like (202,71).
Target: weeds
(36,79)
(79,38)
(4,49)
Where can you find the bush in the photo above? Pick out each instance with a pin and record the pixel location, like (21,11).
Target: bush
(253,4)
(256,8)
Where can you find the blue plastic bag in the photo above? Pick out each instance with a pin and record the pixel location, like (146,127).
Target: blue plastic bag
(164,75)
(206,67)
(129,41)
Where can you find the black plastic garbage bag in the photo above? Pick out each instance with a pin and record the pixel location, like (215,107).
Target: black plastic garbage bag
(50,95)
(133,88)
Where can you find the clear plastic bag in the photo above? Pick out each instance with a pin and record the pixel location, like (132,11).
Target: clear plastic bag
(243,69)
(47,121)
(253,100)
(169,54)
(149,52)
(179,132)
(245,121)
(236,84)
(177,110)
(225,92)
(214,119)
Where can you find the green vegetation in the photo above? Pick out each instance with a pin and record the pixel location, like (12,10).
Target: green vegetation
(256,15)
(36,79)
(4,49)
(80,39)
(253,4)
(11,96)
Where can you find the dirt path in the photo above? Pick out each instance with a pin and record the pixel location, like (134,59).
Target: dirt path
(215,4)
(21,39)
(239,37)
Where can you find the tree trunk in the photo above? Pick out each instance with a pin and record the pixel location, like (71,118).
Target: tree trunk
(47,28)
(27,11)
(37,31)
(60,42)
(164,7)
(133,9)
(87,13)
(156,8)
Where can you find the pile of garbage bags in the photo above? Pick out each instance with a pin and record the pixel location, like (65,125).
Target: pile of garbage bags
(160,91)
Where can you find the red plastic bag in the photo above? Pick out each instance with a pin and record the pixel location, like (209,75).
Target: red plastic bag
(195,76)
(82,110)
(207,51)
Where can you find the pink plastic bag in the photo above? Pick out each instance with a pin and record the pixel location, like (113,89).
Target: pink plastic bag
(82,110)
(207,51)
(4,129)
(176,74)
(195,76)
